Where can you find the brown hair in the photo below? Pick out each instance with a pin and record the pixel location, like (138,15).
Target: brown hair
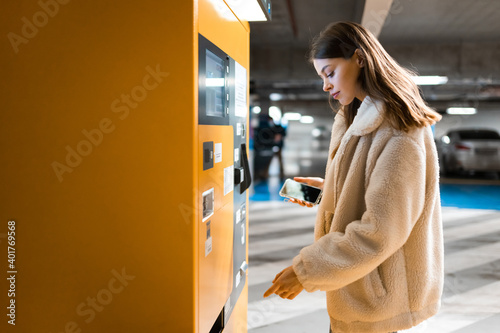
(381,77)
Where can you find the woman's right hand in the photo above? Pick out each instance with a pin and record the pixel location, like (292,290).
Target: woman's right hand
(313,181)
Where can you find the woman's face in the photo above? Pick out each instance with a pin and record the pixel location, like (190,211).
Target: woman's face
(340,78)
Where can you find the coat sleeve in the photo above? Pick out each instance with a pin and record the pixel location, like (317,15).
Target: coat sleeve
(394,202)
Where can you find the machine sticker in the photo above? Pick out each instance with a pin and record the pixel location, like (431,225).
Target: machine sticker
(208,242)
(238,279)
(208,204)
(228,179)
(243,233)
(238,129)
(240,88)
(227,308)
(218,152)
(236,154)
(238,216)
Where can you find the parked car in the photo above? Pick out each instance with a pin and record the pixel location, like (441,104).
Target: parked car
(468,150)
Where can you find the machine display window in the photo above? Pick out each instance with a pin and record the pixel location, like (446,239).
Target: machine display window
(215,85)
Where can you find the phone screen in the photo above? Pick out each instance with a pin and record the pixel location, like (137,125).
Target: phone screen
(300,191)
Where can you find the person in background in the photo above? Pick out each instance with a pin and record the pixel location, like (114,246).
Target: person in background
(378,249)
(268,143)
(279,139)
(263,144)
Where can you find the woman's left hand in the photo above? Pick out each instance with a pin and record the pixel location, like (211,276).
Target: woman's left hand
(285,284)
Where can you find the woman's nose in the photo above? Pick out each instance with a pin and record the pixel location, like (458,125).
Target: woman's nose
(327,86)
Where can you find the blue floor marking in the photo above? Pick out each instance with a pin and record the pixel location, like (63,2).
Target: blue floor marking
(452,195)
(264,192)
(470,196)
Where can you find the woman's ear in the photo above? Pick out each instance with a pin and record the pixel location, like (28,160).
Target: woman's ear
(360,58)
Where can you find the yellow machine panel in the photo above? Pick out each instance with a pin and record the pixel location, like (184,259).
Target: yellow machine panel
(124,166)
(215,248)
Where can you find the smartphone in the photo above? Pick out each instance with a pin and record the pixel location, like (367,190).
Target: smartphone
(301,191)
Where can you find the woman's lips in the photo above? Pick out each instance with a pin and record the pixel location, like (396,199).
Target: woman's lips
(335,95)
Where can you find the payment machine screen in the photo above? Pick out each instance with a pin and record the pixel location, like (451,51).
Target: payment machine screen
(215,82)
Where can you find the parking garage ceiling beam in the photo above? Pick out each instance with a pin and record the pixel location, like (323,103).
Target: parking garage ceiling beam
(455,60)
(374,15)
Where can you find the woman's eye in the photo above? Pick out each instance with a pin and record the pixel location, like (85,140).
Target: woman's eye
(331,74)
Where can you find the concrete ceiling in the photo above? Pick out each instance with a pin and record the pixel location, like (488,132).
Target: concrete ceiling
(456,38)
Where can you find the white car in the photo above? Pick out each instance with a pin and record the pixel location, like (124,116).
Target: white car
(468,150)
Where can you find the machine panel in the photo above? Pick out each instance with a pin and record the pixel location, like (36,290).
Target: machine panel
(223,119)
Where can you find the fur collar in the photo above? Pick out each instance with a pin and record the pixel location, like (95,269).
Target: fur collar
(369,117)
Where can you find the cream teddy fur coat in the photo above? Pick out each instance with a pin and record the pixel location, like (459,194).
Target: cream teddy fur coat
(378,250)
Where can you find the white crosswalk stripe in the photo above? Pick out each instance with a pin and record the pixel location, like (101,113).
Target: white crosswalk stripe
(297,222)
(472,230)
(282,243)
(463,305)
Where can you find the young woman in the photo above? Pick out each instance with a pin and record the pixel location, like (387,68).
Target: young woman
(378,250)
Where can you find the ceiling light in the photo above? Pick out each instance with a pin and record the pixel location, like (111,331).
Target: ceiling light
(429,80)
(251,10)
(275,97)
(256,109)
(275,113)
(316,132)
(306,120)
(292,116)
(461,110)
